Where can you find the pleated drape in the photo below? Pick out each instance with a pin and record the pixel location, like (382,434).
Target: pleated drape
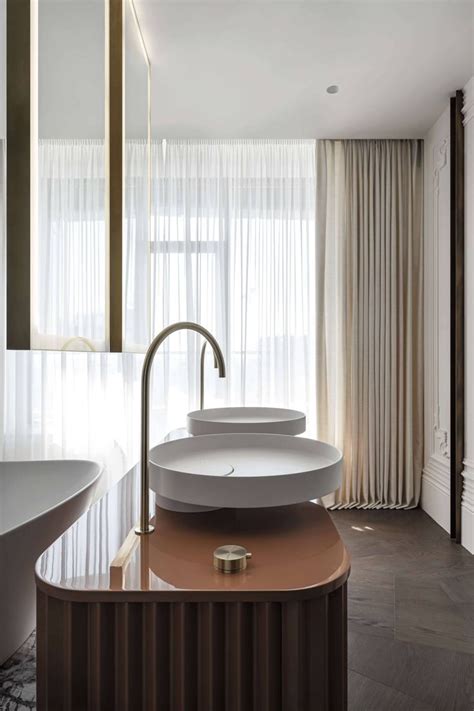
(369,317)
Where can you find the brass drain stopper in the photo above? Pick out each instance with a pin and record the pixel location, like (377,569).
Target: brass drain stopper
(231,558)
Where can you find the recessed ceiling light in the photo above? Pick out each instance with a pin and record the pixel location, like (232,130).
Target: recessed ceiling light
(333,89)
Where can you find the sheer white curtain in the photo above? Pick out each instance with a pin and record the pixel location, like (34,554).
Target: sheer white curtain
(233,247)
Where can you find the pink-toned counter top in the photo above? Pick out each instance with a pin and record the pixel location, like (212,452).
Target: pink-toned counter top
(296,551)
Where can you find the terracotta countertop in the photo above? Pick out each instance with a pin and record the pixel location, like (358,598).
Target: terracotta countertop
(296,550)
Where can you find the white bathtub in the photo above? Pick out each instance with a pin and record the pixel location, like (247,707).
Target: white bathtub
(38,502)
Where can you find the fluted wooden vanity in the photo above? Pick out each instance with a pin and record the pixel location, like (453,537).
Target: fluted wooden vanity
(173,634)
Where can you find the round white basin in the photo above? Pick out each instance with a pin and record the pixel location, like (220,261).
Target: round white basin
(223,420)
(243,471)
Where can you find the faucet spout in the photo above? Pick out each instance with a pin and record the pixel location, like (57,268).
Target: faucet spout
(145,526)
(201,374)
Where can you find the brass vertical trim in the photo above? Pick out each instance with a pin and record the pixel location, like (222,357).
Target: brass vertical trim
(18,174)
(115,172)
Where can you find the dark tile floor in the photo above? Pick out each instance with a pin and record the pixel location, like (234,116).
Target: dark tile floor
(411,619)
(411,614)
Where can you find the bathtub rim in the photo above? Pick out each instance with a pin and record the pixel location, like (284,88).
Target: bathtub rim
(91,483)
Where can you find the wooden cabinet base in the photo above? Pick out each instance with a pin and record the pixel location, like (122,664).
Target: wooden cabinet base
(193,656)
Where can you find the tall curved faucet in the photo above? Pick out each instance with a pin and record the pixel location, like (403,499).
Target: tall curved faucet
(145,526)
(201,374)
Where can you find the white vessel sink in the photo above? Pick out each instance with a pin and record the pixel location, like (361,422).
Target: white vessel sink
(242,471)
(272,420)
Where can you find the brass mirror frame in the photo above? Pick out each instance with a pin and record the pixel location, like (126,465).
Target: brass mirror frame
(18,174)
(115,153)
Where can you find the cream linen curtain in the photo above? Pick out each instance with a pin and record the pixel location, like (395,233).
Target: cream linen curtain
(369,317)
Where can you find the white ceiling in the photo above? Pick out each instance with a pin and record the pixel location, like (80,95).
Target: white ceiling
(240,69)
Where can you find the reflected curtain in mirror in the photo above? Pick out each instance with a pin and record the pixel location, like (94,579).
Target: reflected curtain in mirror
(71,248)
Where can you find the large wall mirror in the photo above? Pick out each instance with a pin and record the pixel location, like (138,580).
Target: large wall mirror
(69,245)
(78,123)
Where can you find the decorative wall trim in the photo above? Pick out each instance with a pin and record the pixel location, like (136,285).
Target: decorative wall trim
(468,488)
(435,494)
(437,470)
(442,440)
(435,490)
(440,443)
(468,108)
(467,506)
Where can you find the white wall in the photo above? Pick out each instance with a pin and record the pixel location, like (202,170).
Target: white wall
(436,479)
(435,495)
(468,489)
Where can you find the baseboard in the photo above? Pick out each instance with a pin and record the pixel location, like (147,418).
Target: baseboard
(467,509)
(435,498)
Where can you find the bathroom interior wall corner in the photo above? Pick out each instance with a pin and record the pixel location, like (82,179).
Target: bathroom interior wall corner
(435,495)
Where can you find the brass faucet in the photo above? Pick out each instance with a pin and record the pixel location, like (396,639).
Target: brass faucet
(145,526)
(201,374)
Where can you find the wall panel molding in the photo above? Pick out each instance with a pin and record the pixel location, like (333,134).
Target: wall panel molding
(441,434)
(467,510)
(435,479)
(435,491)
(468,108)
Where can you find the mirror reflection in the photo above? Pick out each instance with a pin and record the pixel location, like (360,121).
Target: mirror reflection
(70,245)
(136,321)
